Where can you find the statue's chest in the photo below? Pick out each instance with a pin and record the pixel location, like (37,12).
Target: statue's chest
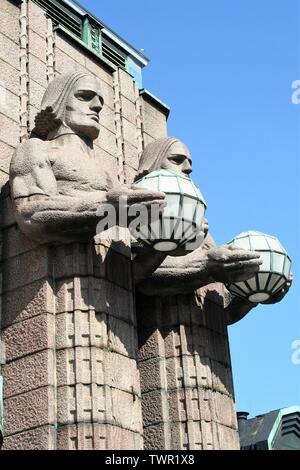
(72,165)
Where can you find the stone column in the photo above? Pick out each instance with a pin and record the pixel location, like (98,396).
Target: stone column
(186,378)
(71,378)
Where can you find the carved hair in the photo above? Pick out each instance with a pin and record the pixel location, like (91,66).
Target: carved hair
(153,156)
(53,103)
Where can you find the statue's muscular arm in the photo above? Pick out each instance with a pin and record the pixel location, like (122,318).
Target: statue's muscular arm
(205,265)
(40,210)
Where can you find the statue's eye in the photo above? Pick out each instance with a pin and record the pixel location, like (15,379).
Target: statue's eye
(85,95)
(177,159)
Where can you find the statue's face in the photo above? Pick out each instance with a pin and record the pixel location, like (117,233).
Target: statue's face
(178,159)
(83,107)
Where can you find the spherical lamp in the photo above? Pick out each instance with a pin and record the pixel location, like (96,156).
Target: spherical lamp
(182,217)
(272,274)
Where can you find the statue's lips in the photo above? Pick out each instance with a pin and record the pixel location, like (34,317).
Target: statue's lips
(95,117)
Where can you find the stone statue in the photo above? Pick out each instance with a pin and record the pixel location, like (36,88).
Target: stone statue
(57,187)
(56,183)
(208,263)
(76,301)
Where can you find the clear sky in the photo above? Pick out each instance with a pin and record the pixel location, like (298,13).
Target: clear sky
(225,67)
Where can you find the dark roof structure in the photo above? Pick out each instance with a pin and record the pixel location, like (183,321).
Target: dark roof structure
(276,430)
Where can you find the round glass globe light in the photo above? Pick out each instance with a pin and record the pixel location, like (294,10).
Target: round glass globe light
(273,272)
(182,217)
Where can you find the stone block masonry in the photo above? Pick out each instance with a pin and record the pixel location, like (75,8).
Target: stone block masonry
(89,365)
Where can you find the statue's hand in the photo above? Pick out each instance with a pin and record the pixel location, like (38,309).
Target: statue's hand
(228,263)
(135,195)
(281,293)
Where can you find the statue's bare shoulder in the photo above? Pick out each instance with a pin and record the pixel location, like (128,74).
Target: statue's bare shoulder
(30,170)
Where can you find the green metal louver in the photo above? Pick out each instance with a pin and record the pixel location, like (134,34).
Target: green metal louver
(112,53)
(59,14)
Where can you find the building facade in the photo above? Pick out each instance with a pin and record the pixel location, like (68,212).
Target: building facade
(89,364)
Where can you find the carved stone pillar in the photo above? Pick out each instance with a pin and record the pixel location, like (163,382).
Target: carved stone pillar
(186,378)
(70,379)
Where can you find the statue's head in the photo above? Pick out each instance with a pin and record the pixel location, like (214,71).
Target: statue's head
(73,100)
(168,153)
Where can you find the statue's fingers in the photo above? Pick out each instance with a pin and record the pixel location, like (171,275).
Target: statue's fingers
(146,193)
(243,265)
(240,255)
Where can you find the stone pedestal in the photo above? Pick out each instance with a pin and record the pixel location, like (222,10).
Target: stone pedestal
(186,378)
(71,378)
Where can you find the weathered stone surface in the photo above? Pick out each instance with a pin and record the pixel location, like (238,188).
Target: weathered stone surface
(67,47)
(129,132)
(37,19)
(128,110)
(3,178)
(153,409)
(9,130)
(16,243)
(150,343)
(154,121)
(16,276)
(9,104)
(91,402)
(131,156)
(27,302)
(122,337)
(37,45)
(107,141)
(81,329)
(154,437)
(37,70)
(107,119)
(99,70)
(9,24)
(125,410)
(10,9)
(97,437)
(126,85)
(108,162)
(129,174)
(29,410)
(222,378)
(8,217)
(151,374)
(128,382)
(108,94)
(5,155)
(65,64)
(9,51)
(9,78)
(36,92)
(123,439)
(223,411)
(228,438)
(41,438)
(81,365)
(118,269)
(29,373)
(29,336)
(82,436)
(147,138)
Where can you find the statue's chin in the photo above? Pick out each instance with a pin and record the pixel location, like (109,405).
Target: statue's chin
(91,132)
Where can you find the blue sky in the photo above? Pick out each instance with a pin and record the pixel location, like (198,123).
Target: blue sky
(225,67)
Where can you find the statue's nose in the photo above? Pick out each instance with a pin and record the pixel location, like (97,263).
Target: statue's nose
(96,105)
(187,167)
